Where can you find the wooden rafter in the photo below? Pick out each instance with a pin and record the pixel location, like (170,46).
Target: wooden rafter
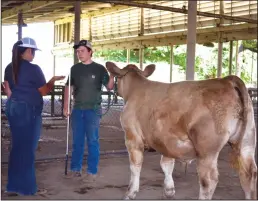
(179,10)
(29,6)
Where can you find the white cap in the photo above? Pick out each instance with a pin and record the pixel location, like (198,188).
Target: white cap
(84,43)
(29,42)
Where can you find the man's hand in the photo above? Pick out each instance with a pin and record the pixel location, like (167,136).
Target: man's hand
(65,112)
(111,82)
(67,96)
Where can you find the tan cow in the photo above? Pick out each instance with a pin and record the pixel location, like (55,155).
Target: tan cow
(187,120)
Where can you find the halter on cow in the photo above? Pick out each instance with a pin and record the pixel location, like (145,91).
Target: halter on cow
(185,121)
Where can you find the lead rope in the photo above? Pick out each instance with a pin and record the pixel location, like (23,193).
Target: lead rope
(110,103)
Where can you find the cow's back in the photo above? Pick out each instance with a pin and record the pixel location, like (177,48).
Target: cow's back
(164,114)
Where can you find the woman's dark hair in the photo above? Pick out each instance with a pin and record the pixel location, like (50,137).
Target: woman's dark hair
(16,59)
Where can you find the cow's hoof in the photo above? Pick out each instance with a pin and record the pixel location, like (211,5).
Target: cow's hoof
(130,196)
(169,193)
(126,198)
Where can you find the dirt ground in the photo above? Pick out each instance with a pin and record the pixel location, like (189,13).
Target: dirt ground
(114,172)
(114,175)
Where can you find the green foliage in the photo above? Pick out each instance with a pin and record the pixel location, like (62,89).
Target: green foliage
(151,55)
(205,67)
(250,45)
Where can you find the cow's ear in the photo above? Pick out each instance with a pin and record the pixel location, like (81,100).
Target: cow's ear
(149,70)
(113,69)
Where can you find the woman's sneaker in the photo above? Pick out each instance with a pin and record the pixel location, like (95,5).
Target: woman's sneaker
(41,191)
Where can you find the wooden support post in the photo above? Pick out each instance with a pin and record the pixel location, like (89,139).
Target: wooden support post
(77,26)
(141,33)
(128,56)
(220,44)
(191,39)
(65,32)
(142,22)
(54,65)
(20,23)
(54,56)
(230,56)
(90,34)
(252,67)
(141,57)
(171,63)
(237,66)
(219,68)
(62,32)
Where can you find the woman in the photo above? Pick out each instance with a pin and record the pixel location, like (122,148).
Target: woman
(25,85)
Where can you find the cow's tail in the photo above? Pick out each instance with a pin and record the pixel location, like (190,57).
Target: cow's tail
(242,91)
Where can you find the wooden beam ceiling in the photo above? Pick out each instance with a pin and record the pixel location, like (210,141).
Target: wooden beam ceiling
(51,10)
(29,6)
(178,10)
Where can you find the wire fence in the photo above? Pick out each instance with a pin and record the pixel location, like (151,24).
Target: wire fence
(53,105)
(53,135)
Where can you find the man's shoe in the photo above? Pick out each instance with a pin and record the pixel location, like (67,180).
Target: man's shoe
(73,174)
(89,177)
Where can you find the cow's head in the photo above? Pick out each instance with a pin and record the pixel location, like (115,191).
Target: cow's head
(121,73)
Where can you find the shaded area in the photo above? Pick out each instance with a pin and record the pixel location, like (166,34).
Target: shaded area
(114,175)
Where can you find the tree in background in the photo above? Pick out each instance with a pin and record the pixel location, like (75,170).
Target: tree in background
(205,65)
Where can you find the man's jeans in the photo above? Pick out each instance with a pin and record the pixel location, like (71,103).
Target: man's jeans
(85,126)
(25,125)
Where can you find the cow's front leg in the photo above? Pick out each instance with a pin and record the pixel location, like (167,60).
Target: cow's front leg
(135,149)
(167,165)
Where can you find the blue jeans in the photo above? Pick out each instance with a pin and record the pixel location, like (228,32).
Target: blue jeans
(25,124)
(85,126)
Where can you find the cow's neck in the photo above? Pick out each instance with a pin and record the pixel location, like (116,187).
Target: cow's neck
(132,84)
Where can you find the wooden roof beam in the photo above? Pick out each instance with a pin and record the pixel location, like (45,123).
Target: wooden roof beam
(56,12)
(6,3)
(29,6)
(232,28)
(86,7)
(178,10)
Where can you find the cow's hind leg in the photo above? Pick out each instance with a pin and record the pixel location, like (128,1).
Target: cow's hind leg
(167,165)
(248,174)
(246,166)
(135,149)
(208,175)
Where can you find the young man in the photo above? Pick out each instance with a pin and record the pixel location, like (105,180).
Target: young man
(87,78)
